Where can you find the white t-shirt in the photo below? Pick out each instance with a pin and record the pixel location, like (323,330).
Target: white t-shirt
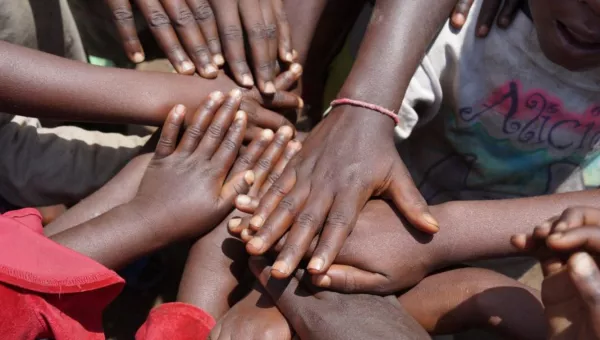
(494,118)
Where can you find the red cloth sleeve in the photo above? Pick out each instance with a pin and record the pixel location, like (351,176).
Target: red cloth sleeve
(47,290)
(176,321)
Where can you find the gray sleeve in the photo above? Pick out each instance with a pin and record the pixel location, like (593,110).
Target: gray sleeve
(40,167)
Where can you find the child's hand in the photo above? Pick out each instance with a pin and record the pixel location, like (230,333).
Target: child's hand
(185,180)
(489,10)
(255,317)
(333,316)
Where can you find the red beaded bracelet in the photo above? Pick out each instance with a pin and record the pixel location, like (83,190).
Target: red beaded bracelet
(380,109)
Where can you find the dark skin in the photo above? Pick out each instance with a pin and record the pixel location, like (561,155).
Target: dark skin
(193,34)
(350,156)
(159,214)
(568,247)
(569,32)
(333,316)
(504,10)
(75,91)
(467,298)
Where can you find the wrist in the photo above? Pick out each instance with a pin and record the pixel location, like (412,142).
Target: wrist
(363,118)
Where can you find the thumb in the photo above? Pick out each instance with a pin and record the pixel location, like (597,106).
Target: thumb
(239,184)
(409,201)
(348,279)
(586,278)
(287,294)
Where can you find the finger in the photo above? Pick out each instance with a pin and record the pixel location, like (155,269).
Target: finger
(269,202)
(278,222)
(272,34)
(577,216)
(123,19)
(220,124)
(586,238)
(200,122)
(551,265)
(410,202)
(258,36)
(191,37)
(236,224)
(230,146)
(509,11)
(338,225)
(247,234)
(253,152)
(160,26)
(263,118)
(283,28)
(291,150)
(246,203)
(460,13)
(232,37)
(347,279)
(298,240)
(288,295)
(585,275)
(170,131)
(285,80)
(485,20)
(238,185)
(270,157)
(205,18)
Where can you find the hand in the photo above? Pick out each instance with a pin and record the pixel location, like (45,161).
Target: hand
(265,24)
(217,262)
(489,10)
(571,287)
(334,316)
(185,180)
(185,30)
(348,158)
(255,317)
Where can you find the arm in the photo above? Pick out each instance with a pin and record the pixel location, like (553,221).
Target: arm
(62,89)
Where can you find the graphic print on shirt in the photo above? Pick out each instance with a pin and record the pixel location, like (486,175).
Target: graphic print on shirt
(517,143)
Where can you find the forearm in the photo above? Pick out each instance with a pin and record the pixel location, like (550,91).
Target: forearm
(117,237)
(395,42)
(42,85)
(471,230)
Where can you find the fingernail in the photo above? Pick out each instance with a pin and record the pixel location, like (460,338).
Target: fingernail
(431,221)
(186,66)
(138,57)
(281,267)
(270,88)
(296,69)
(235,93)
(519,238)
(483,31)
(217,95)
(289,57)
(323,281)
(286,130)
(243,200)
(210,70)
(583,264)
(246,235)
(300,103)
(294,54)
(218,59)
(247,80)
(459,19)
(234,223)
(257,221)
(555,236)
(295,145)
(561,226)
(179,109)
(249,177)
(256,243)
(240,115)
(316,264)
(267,134)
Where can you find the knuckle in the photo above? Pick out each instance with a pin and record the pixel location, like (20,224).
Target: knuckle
(184,17)
(215,131)
(349,282)
(158,19)
(257,32)
(229,145)
(306,221)
(233,33)
(271,32)
(266,66)
(166,142)
(287,205)
(338,219)
(203,12)
(264,164)
(201,51)
(290,249)
(122,15)
(195,132)
(272,178)
(277,189)
(244,161)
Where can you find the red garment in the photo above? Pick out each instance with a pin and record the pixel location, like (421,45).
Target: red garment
(47,290)
(176,321)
